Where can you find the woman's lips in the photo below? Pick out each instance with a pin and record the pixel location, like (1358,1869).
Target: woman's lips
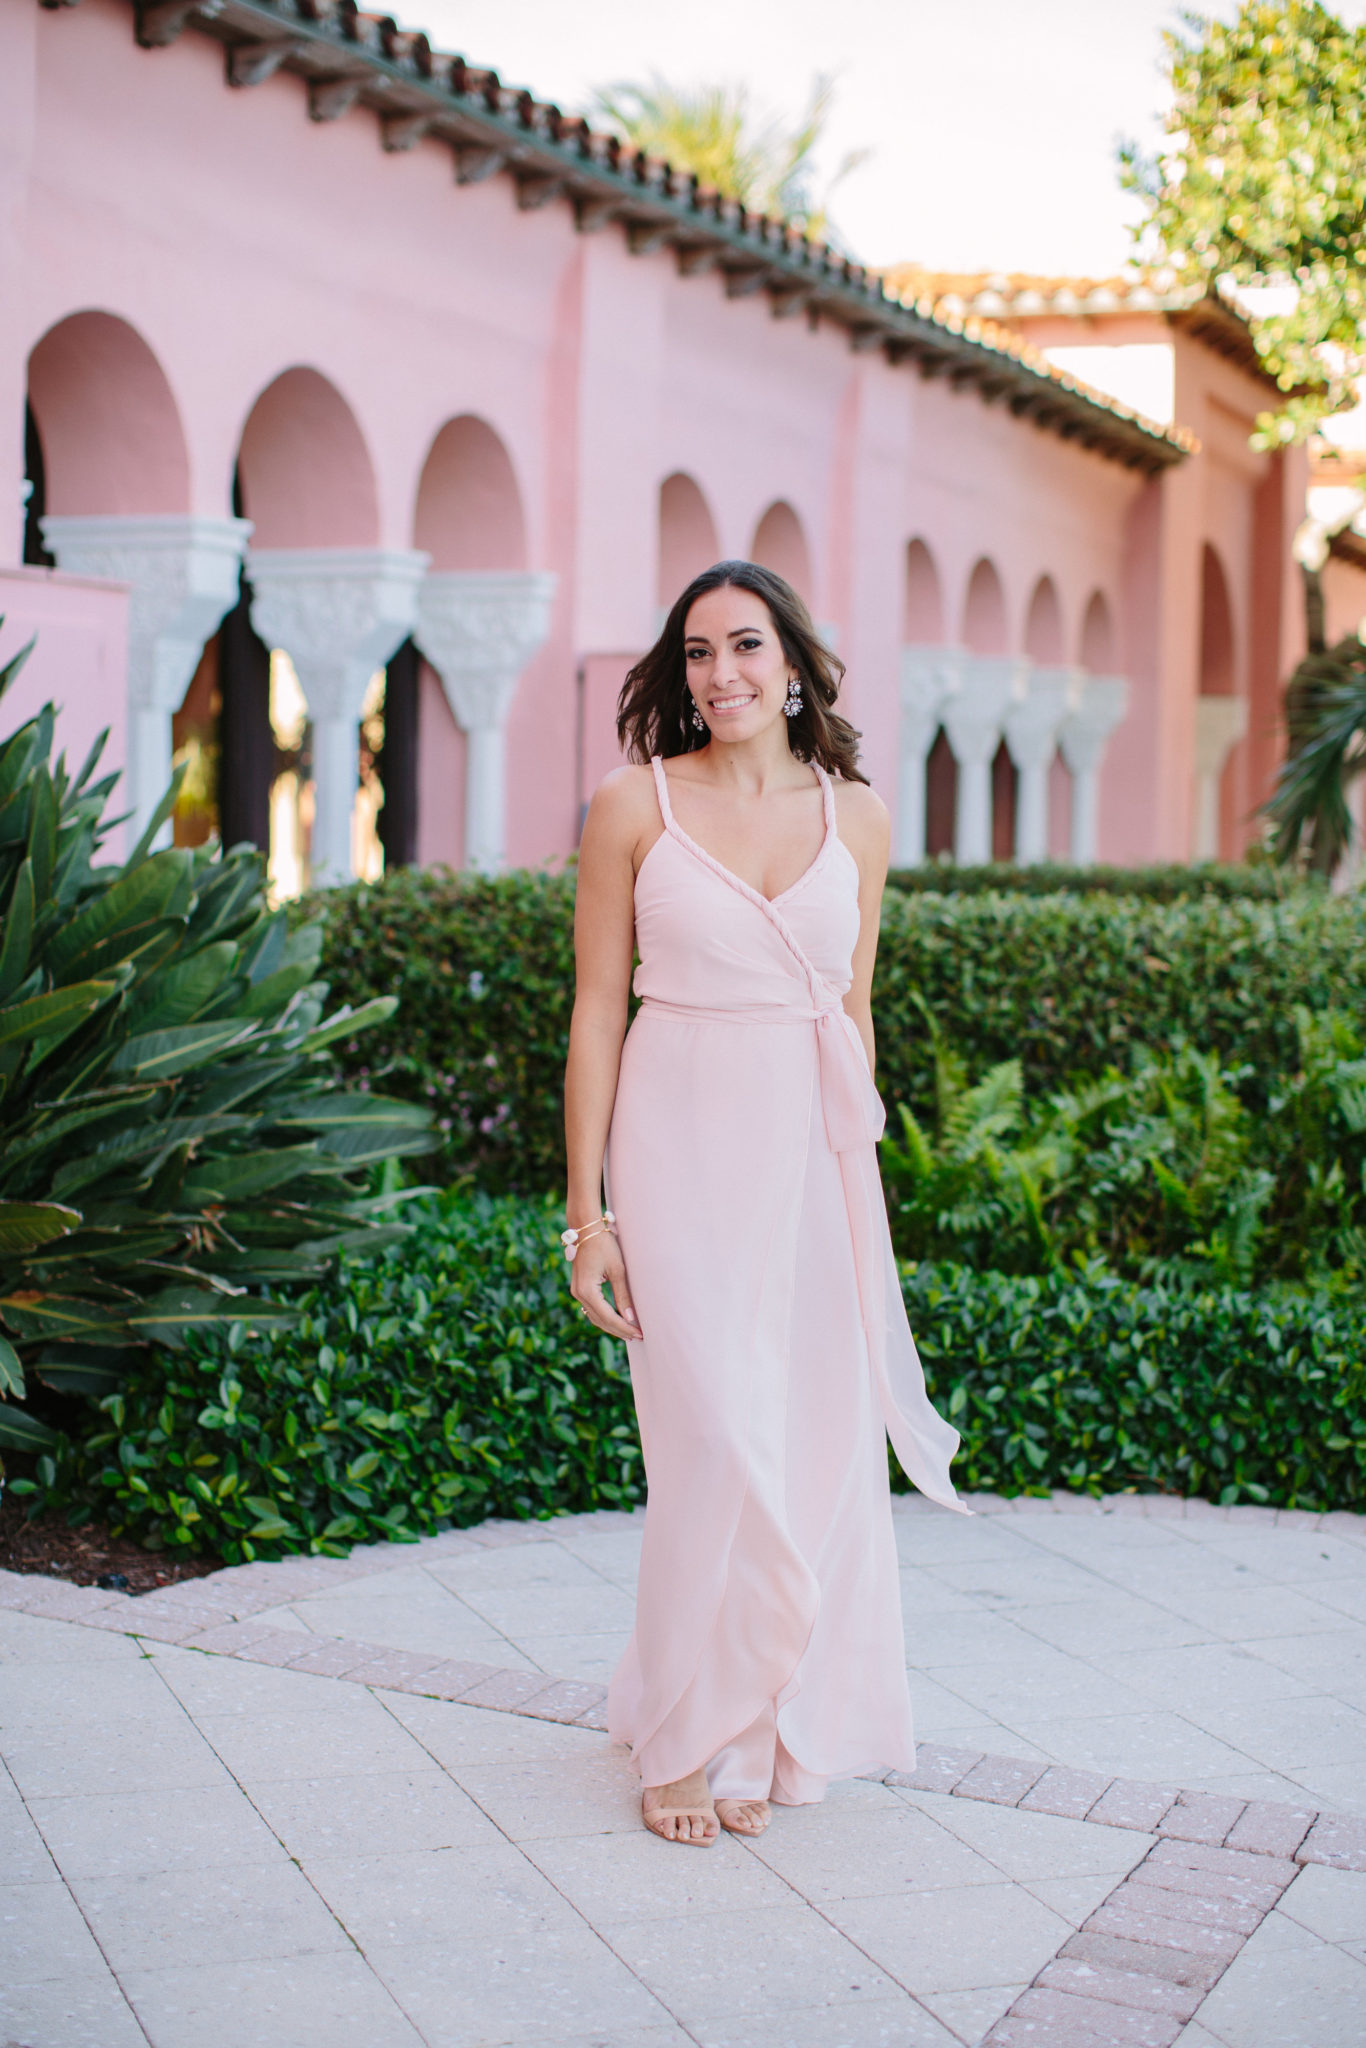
(725,704)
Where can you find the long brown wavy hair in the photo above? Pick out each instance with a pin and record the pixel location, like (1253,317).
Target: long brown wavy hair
(654,710)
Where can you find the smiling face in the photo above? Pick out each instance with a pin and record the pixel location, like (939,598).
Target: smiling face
(734,663)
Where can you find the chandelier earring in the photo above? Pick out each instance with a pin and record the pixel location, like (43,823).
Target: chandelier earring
(698,720)
(793,703)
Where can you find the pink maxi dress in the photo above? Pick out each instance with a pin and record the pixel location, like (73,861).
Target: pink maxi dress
(775,1357)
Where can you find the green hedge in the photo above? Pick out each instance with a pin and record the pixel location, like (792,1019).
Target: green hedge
(1070,984)
(1091,1383)
(484,975)
(1257,880)
(451,1378)
(445,1381)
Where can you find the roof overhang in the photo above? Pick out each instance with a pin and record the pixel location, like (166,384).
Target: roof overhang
(347,59)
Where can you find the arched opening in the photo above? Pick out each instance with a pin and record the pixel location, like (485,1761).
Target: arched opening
(469,509)
(305,479)
(107,429)
(1097,637)
(304,473)
(984,611)
(1005,797)
(687,537)
(1043,625)
(1221,719)
(923,617)
(941,797)
(780,544)
(1216,628)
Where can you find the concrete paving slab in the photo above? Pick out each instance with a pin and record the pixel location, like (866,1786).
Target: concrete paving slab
(456,1735)
(82,2009)
(613,1878)
(328,2001)
(193,1917)
(1308,1996)
(963,1939)
(407,1810)
(757,1961)
(126,1833)
(412,1821)
(459,1991)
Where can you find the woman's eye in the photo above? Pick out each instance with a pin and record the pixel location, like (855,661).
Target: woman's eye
(746,646)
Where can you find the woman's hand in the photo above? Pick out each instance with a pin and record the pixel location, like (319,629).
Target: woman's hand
(598,1263)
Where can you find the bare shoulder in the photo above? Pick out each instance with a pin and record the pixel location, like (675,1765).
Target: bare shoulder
(624,810)
(864,821)
(625,798)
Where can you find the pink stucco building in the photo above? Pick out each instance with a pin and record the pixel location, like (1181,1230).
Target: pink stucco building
(317,344)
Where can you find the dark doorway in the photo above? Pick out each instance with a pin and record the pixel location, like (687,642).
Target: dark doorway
(941,797)
(396,762)
(1005,781)
(246,744)
(36,556)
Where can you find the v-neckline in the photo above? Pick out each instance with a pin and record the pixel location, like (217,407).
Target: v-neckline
(685,838)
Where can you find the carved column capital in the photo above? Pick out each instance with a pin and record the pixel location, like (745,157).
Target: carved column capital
(182,576)
(1085,732)
(181,572)
(989,685)
(479,629)
(338,613)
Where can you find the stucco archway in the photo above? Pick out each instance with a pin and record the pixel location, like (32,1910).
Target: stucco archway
(1043,640)
(304,474)
(780,544)
(687,537)
(984,611)
(923,599)
(469,509)
(1097,636)
(108,425)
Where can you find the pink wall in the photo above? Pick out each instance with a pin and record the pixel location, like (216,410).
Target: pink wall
(79,660)
(328,310)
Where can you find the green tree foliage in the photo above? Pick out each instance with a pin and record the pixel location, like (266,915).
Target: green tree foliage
(1325,703)
(173,1136)
(714,132)
(1262,181)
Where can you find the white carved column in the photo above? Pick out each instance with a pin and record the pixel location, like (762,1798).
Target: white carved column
(479,629)
(339,614)
(974,719)
(1220,722)
(929,677)
(1031,730)
(182,575)
(1084,737)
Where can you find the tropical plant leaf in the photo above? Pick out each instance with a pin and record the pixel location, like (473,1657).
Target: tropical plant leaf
(160,1055)
(21,1431)
(39,1017)
(11,1371)
(26,1224)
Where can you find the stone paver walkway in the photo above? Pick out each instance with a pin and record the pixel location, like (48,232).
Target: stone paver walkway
(261,1810)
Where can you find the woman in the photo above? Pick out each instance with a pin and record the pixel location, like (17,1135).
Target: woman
(748,1258)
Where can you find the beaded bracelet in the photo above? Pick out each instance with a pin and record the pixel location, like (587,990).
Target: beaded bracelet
(572,1239)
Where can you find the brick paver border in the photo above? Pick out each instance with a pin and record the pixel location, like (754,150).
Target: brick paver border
(1135,1973)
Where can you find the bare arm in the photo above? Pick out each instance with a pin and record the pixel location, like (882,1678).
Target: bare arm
(604,936)
(866,830)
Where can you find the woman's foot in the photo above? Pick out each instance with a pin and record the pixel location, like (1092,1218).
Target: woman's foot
(681,1812)
(743,1816)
